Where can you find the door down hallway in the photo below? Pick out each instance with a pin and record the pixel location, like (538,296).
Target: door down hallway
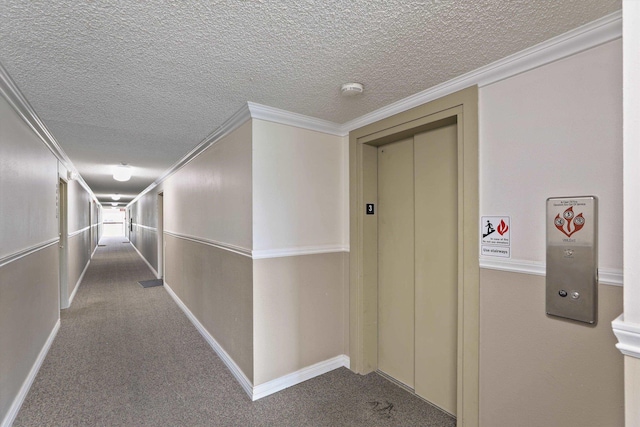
(126,355)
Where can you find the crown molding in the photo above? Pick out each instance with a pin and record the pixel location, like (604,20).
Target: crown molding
(588,36)
(19,103)
(276,115)
(231,124)
(250,110)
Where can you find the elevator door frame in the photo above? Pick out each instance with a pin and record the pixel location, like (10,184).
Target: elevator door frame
(460,108)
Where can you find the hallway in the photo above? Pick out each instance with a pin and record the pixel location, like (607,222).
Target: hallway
(126,355)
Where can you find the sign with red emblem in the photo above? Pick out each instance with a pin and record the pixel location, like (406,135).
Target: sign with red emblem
(495,236)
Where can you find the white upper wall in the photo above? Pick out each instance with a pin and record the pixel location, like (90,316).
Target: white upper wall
(300,190)
(78,208)
(28,185)
(210,197)
(555,131)
(631,37)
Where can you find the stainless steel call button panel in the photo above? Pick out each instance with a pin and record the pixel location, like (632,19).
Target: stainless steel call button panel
(572,258)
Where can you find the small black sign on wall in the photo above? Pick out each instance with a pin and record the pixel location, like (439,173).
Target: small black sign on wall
(371,209)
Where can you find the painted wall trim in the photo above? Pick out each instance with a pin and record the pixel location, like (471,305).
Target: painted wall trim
(226,359)
(588,36)
(276,115)
(153,270)
(26,385)
(26,252)
(146,227)
(220,245)
(606,276)
(593,34)
(299,376)
(628,335)
(306,250)
(75,289)
(19,103)
(261,254)
(75,233)
(270,387)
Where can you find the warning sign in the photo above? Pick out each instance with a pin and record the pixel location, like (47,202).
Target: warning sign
(496,251)
(496,236)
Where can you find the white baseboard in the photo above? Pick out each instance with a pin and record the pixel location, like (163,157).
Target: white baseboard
(145,260)
(270,387)
(297,377)
(26,385)
(75,289)
(226,359)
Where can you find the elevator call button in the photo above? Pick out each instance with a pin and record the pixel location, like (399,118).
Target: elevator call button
(572,258)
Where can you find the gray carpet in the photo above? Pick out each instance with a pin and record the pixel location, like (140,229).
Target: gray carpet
(128,356)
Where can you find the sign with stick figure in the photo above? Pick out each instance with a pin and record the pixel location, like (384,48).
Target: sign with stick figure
(496,236)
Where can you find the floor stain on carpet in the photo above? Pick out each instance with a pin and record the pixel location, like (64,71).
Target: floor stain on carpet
(384,409)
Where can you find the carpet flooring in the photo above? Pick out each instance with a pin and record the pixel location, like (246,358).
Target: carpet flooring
(128,356)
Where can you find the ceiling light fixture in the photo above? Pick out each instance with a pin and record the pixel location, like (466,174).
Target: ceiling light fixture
(122,172)
(351,89)
(114,204)
(115,197)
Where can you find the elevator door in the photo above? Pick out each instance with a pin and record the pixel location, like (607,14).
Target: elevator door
(417,264)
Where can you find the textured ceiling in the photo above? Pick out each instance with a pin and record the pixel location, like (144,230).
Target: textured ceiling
(145,82)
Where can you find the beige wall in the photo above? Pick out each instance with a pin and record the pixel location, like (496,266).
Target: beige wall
(29,294)
(78,258)
(95,225)
(261,189)
(216,285)
(631,67)
(632,391)
(145,222)
(631,37)
(28,186)
(78,207)
(299,312)
(299,206)
(540,371)
(79,248)
(552,131)
(28,314)
(555,131)
(299,188)
(210,198)
(208,203)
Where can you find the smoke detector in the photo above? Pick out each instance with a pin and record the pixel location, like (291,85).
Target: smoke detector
(351,89)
